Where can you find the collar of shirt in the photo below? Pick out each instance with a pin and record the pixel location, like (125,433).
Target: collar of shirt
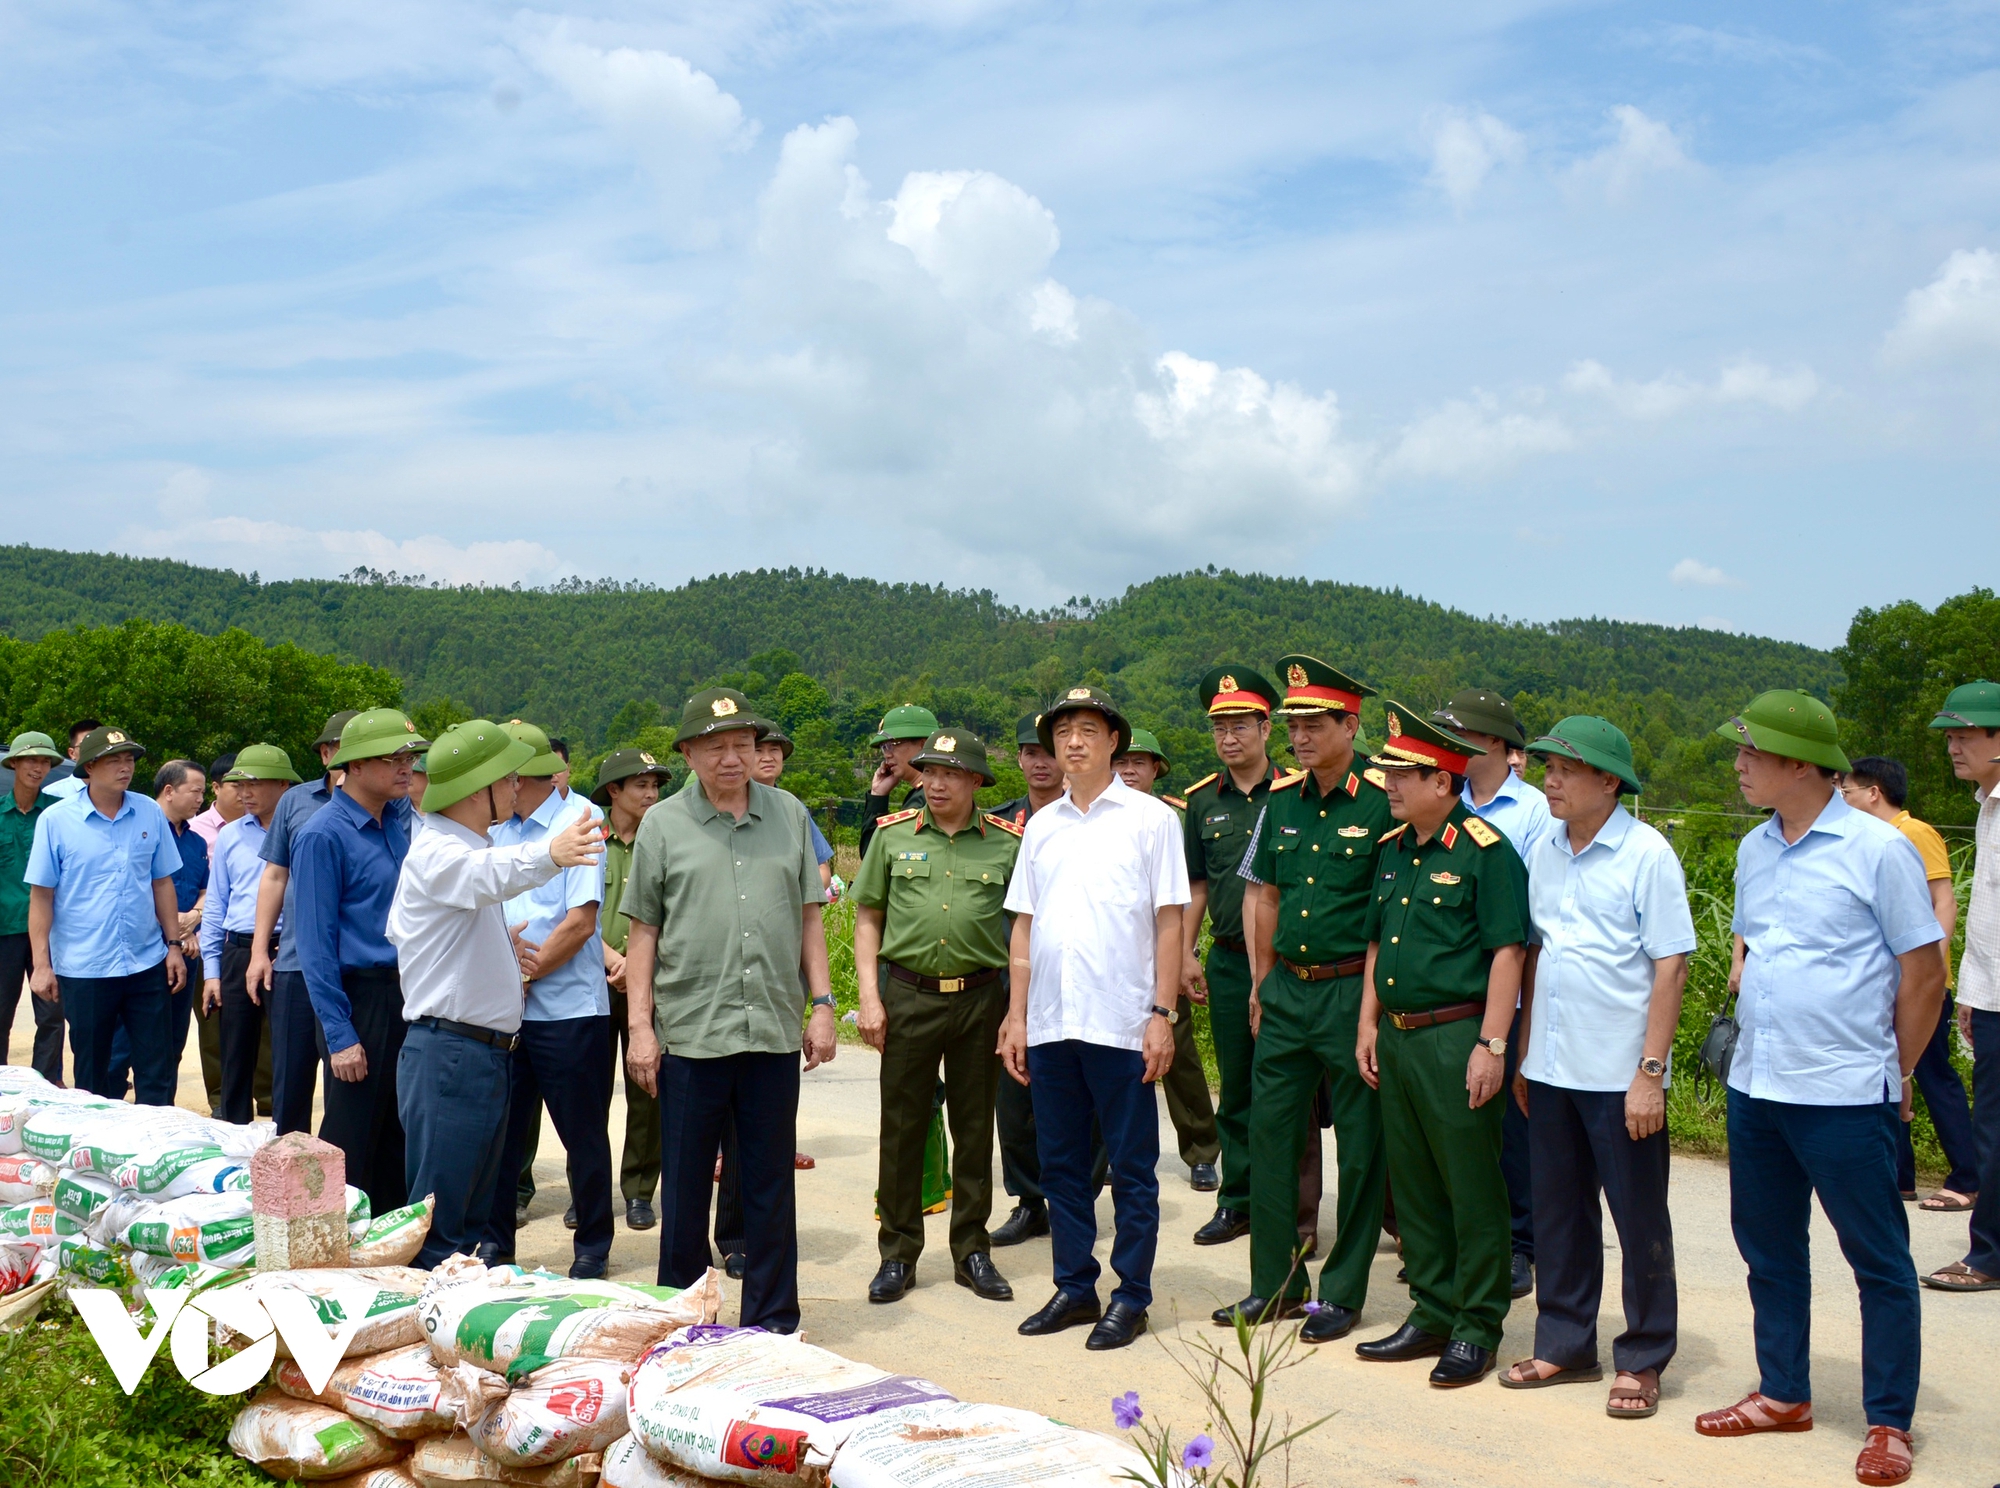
(1836,819)
(1118,793)
(1513,788)
(1225,783)
(706,811)
(1611,836)
(929,823)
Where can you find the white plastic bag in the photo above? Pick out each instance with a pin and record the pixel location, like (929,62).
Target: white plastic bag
(513,1322)
(401,1393)
(81,1195)
(18,1259)
(958,1445)
(216,1228)
(303,1439)
(571,1406)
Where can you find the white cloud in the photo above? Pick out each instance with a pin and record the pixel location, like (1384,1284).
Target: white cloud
(1692,573)
(973,232)
(1473,437)
(276,549)
(1645,147)
(1958,312)
(1742,381)
(1466,147)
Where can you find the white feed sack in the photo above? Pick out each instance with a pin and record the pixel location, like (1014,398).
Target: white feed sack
(513,1322)
(216,1228)
(962,1445)
(627,1464)
(402,1392)
(24,1178)
(303,1439)
(383,1299)
(393,1239)
(570,1406)
(456,1462)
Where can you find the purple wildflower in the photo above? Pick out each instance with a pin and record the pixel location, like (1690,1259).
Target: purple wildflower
(1312,1307)
(1125,1412)
(1198,1453)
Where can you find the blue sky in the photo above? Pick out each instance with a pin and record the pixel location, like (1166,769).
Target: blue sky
(1684,314)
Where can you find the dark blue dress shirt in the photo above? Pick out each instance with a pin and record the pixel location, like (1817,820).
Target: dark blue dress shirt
(193,875)
(296,807)
(344,869)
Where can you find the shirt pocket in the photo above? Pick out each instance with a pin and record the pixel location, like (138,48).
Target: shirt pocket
(1441,896)
(1287,870)
(1822,918)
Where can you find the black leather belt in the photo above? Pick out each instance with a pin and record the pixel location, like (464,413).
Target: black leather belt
(1326,971)
(1234,943)
(507,1043)
(242,940)
(1451,1012)
(984,977)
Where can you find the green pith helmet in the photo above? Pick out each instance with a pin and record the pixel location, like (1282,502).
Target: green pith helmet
(626,764)
(467,758)
(545,761)
(1791,725)
(1596,742)
(1481,710)
(956,749)
(31,745)
(106,740)
(715,710)
(1970,705)
(334,724)
(1311,686)
(375,733)
(907,721)
(1234,688)
(262,762)
(1027,729)
(1417,743)
(1080,699)
(1143,742)
(769,733)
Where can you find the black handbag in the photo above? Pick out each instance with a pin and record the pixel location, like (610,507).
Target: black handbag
(1719,1047)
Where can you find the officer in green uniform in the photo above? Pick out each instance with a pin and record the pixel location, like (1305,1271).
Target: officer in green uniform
(1312,864)
(629,783)
(930,950)
(899,736)
(1447,933)
(1142,766)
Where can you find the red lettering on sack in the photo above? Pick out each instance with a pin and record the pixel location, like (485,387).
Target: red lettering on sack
(750,1445)
(581,1401)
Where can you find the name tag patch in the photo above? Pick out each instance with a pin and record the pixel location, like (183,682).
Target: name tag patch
(911,857)
(1216,821)
(1288,831)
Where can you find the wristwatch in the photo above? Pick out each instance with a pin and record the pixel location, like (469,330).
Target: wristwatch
(1169,1014)
(1653,1067)
(1497,1047)
(822,1002)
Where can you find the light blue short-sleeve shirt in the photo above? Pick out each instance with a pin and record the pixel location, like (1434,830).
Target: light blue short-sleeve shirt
(577,988)
(1823,920)
(1604,916)
(1519,812)
(102,870)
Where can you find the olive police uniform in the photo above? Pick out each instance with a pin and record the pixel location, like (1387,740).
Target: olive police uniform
(907,721)
(944,949)
(1318,848)
(1440,909)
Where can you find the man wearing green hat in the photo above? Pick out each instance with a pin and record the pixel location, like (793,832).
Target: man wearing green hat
(1598,1013)
(345,863)
(899,736)
(1310,862)
(1447,932)
(725,908)
(774,747)
(629,782)
(1838,989)
(260,776)
(103,920)
(460,979)
(30,757)
(1970,723)
(930,953)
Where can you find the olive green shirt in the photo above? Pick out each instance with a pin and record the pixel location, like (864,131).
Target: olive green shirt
(1320,852)
(17,836)
(1216,828)
(727,896)
(941,894)
(617,869)
(1441,909)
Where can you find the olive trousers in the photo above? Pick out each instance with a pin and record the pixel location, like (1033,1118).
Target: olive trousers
(1228,974)
(1189,1106)
(1444,1165)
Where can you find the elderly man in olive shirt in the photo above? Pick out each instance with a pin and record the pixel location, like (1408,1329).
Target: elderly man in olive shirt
(724,899)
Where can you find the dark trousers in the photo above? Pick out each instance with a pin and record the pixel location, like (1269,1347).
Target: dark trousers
(244,1031)
(561,1061)
(208,1043)
(1944,1098)
(1020,1154)
(1780,1156)
(729,1194)
(639,1163)
(295,1040)
(1072,1082)
(361,1116)
(451,1096)
(16,956)
(1514,1149)
(1581,1150)
(97,1006)
(761,1091)
(1984,1254)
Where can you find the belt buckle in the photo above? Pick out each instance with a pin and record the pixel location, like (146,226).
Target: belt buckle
(1303,973)
(951,984)
(1397,1019)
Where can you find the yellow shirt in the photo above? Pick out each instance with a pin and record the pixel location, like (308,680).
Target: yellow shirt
(1937,861)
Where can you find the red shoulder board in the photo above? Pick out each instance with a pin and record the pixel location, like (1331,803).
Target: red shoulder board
(897,816)
(1393,833)
(1449,836)
(1005,825)
(1288,779)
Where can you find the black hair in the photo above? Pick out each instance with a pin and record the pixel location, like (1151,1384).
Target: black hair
(174,772)
(560,747)
(81,727)
(224,763)
(1885,774)
(1457,780)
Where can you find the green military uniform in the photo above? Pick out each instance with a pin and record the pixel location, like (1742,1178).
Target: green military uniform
(1316,844)
(944,949)
(1439,911)
(639,1163)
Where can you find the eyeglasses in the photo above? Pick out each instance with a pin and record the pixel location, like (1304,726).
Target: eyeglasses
(1242,726)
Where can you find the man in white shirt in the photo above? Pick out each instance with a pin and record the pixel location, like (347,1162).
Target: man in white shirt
(1599,1007)
(1097,894)
(461,983)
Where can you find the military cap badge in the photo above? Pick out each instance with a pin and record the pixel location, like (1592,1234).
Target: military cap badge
(1395,727)
(1079,694)
(945,744)
(114,737)
(1296,675)
(722,707)
(1227,683)
(646,758)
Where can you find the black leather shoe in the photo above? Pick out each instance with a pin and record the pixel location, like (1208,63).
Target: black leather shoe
(1061,1311)
(1255,1309)
(587,1268)
(1026,1222)
(733,1265)
(1406,1343)
(1204,1178)
(1122,1322)
(891,1282)
(1463,1364)
(520,1215)
(569,1216)
(1329,1323)
(1224,1226)
(489,1254)
(1523,1279)
(639,1214)
(977,1272)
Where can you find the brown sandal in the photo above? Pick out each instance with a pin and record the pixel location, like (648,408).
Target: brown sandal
(1878,1462)
(1959,1277)
(1581,1375)
(1946,1201)
(1737,1420)
(1647,1394)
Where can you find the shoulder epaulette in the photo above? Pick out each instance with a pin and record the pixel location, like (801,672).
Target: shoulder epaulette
(1004,823)
(897,816)
(1393,833)
(1289,778)
(1175,801)
(1204,781)
(1479,832)
(1375,778)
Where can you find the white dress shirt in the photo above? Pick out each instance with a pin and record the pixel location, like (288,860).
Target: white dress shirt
(1604,915)
(1095,882)
(1979,968)
(449,924)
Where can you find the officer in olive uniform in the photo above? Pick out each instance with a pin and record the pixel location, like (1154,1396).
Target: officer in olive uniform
(1142,766)
(1313,863)
(1447,932)
(930,950)
(899,736)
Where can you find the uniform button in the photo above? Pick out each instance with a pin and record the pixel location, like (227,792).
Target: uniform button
(1322,813)
(1350,852)
(944,906)
(1303,913)
(1302,950)
(1308,878)
(942,941)
(1315,847)
(1406,900)
(947,873)
(1416,862)
(1392,981)
(1438,900)
(1395,940)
